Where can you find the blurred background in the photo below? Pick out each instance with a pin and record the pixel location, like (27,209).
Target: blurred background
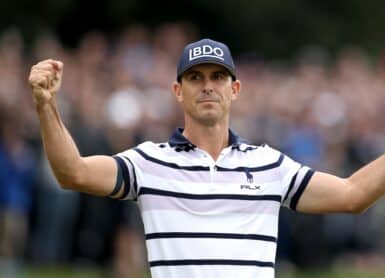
(313,76)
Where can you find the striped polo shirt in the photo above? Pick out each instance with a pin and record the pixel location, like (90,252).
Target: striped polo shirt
(206,218)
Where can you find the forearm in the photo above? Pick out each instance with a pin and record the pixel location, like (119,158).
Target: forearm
(368,184)
(94,174)
(59,146)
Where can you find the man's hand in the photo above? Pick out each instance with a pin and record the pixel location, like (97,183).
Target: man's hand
(45,79)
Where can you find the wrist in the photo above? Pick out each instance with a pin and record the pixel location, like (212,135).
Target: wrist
(43,105)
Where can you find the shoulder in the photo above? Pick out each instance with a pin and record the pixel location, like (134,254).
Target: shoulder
(149,148)
(268,157)
(263,151)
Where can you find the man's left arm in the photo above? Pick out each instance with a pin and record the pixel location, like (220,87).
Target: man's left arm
(326,193)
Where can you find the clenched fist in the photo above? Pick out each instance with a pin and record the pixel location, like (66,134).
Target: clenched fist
(45,79)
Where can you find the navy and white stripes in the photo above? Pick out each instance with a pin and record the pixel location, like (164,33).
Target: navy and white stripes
(219,215)
(126,178)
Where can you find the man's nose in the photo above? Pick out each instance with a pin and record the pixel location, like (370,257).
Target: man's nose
(207,90)
(208,86)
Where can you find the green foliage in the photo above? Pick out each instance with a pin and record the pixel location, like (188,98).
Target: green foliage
(66,272)
(335,274)
(273,29)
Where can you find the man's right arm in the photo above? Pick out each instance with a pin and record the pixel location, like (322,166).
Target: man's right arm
(96,175)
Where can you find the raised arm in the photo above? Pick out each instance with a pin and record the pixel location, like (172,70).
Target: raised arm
(94,174)
(328,193)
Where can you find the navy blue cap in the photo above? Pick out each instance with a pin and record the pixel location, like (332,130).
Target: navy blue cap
(205,51)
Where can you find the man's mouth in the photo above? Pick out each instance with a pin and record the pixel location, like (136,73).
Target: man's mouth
(206,100)
(203,100)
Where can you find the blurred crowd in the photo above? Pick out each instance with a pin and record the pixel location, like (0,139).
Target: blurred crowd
(322,111)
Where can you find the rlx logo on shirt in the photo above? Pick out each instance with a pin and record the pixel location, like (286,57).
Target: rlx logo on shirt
(250,187)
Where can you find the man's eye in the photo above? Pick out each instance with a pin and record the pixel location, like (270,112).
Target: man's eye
(194,77)
(219,76)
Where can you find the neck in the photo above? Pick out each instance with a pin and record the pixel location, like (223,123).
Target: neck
(212,139)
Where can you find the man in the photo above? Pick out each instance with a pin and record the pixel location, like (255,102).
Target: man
(209,200)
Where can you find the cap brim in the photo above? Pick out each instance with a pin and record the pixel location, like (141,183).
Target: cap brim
(207,61)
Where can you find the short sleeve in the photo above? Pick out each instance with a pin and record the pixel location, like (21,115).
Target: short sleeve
(295,179)
(126,168)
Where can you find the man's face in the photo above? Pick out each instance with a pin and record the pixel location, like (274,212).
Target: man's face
(206,92)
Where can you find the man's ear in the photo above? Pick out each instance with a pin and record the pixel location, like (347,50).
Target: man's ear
(236,89)
(177,90)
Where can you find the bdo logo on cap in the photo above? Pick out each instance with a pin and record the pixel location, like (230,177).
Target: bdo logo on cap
(205,51)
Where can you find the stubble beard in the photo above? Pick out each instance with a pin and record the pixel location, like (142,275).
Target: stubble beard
(208,118)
